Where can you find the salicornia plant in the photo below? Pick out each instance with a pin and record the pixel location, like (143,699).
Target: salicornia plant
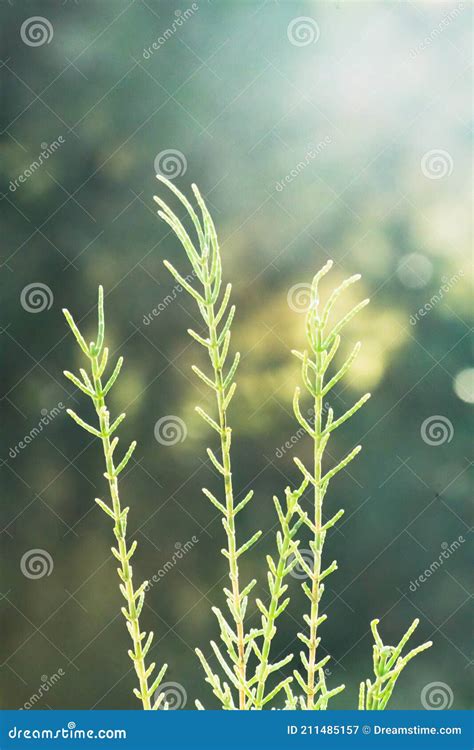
(248,665)
(251,678)
(322,345)
(92,385)
(388,664)
(213,304)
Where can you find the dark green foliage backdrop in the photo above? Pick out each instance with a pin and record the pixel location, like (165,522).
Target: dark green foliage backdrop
(305,151)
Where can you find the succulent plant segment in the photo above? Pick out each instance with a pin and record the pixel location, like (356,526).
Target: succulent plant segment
(244,654)
(92,384)
(240,665)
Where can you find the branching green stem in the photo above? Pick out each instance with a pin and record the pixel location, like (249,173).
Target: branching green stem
(206,262)
(388,665)
(323,344)
(287,560)
(323,347)
(92,385)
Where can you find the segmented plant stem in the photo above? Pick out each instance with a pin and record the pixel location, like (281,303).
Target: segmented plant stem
(206,262)
(318,534)
(269,627)
(225,440)
(388,664)
(91,384)
(119,530)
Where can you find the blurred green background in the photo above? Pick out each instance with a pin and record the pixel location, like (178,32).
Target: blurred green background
(315,130)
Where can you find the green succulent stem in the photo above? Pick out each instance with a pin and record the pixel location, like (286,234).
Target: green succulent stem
(318,534)
(206,262)
(126,574)
(286,546)
(134,597)
(225,443)
(388,664)
(269,627)
(322,347)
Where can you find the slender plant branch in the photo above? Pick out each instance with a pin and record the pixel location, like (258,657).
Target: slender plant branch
(91,384)
(287,560)
(322,349)
(213,306)
(388,665)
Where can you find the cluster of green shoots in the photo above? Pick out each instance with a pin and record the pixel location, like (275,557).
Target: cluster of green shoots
(248,676)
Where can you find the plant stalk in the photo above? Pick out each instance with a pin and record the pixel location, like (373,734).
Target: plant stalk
(269,629)
(225,440)
(318,534)
(126,574)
